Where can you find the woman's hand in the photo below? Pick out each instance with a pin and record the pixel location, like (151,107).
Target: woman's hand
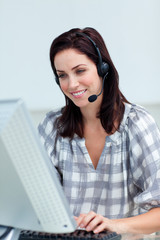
(94,222)
(145,223)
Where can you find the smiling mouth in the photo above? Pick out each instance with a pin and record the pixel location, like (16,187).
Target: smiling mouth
(78,93)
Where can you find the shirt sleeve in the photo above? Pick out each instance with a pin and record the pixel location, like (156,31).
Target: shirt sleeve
(144,138)
(51,143)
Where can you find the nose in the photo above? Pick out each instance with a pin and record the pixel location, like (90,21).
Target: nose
(73,82)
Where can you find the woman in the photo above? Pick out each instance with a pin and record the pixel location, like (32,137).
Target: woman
(106,151)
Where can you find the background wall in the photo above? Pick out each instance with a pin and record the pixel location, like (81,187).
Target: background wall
(130,28)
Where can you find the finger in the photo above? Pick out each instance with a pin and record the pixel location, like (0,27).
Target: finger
(88,218)
(97,220)
(79,219)
(100,228)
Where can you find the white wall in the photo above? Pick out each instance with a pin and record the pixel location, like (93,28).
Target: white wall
(131,29)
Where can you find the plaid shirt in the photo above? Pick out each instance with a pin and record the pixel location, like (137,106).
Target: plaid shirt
(126,181)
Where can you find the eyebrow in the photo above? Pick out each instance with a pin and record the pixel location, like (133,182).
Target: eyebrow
(72,68)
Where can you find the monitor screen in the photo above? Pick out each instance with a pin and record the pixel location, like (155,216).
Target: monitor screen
(31,196)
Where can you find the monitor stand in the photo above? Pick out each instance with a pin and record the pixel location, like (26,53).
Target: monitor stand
(9,233)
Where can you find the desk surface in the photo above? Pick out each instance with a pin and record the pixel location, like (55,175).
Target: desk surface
(140,237)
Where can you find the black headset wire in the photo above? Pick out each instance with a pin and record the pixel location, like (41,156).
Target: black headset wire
(103,84)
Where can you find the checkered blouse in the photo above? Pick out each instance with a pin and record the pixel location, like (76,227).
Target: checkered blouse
(126,181)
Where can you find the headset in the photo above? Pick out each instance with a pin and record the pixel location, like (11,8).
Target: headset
(102,67)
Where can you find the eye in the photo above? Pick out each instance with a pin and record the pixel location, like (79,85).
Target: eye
(80,71)
(63,75)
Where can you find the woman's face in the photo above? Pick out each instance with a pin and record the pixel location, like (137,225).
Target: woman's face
(78,76)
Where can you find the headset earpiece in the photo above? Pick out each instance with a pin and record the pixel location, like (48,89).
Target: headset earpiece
(102,69)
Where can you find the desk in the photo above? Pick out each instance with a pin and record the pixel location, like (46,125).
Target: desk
(140,237)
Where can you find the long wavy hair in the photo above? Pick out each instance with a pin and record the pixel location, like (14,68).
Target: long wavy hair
(70,121)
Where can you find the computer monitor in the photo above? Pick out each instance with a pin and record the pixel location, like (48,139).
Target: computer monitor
(31,196)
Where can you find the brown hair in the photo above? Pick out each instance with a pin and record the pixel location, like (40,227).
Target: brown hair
(70,122)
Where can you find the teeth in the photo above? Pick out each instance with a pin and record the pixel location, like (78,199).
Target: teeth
(78,93)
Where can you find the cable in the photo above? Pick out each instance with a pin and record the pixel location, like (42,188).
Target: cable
(6,232)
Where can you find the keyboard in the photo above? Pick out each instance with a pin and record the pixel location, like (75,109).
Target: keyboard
(76,235)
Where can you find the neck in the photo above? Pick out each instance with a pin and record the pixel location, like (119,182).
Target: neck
(90,112)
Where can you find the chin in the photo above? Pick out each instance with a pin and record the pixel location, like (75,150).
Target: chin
(81,104)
